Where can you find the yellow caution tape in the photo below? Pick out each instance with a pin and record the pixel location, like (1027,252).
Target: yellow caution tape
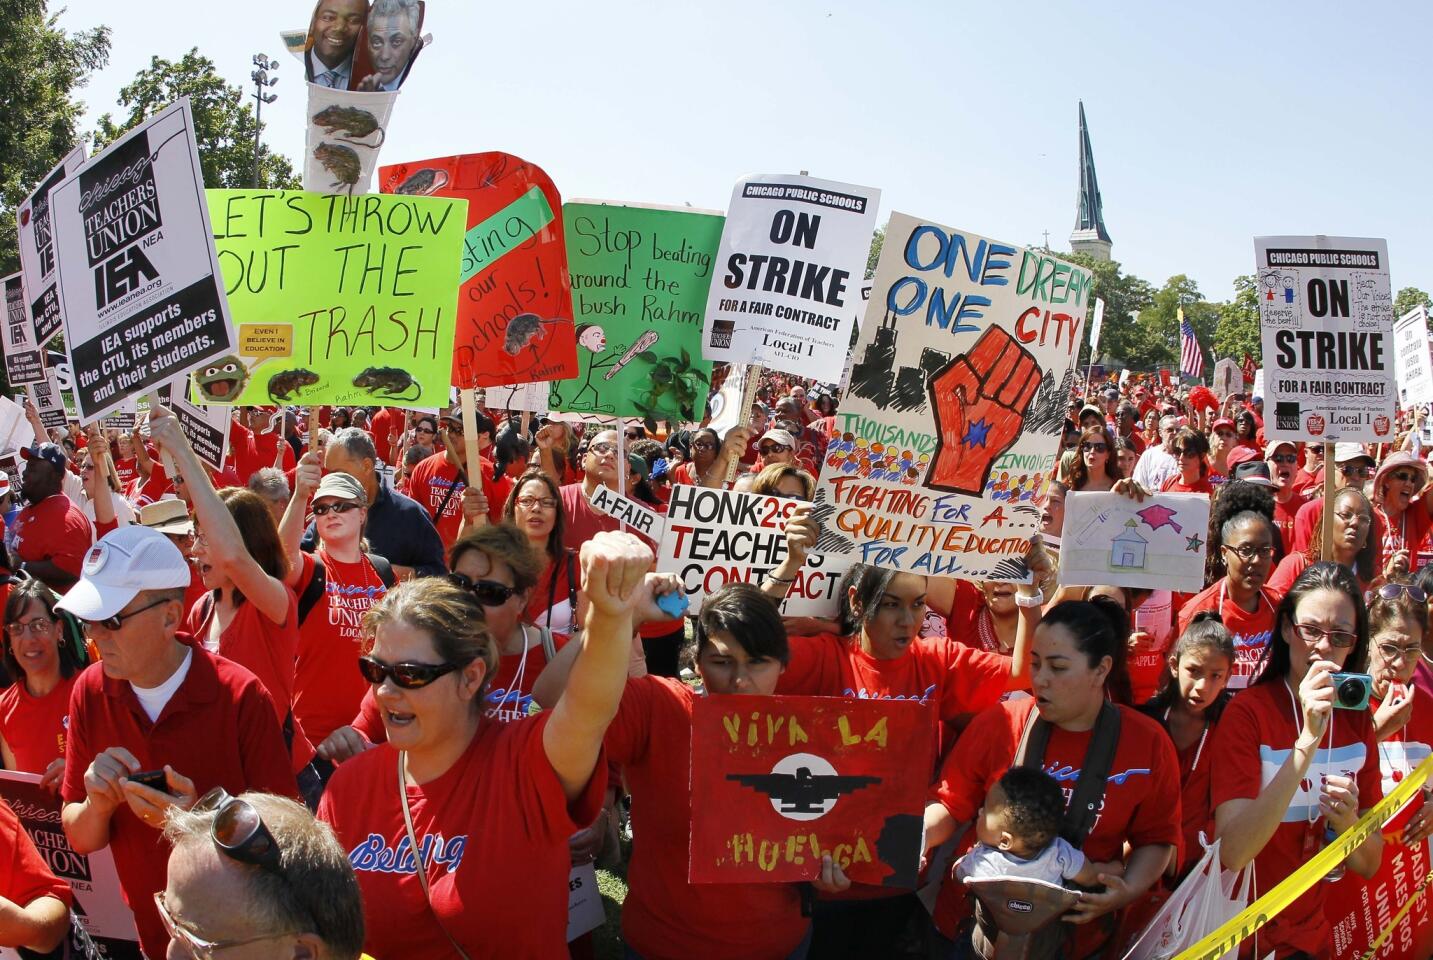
(1293,886)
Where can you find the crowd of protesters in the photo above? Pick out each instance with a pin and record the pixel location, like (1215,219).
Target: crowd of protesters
(340,621)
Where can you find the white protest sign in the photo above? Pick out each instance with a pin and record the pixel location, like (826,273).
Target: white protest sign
(1157,543)
(1326,321)
(49,402)
(532,396)
(638,516)
(951,426)
(205,427)
(787,278)
(15,429)
(584,902)
(1411,359)
(1228,378)
(851,350)
(99,900)
(141,292)
(345,130)
(1257,390)
(24,361)
(716,537)
(1096,325)
(36,229)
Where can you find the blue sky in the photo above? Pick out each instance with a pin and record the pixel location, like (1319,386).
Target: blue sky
(1211,122)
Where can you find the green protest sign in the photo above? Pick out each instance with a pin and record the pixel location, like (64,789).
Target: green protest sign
(336,299)
(639,287)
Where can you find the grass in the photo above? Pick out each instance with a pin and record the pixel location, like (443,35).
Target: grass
(612,884)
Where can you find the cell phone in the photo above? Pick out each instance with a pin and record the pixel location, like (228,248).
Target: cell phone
(1351,690)
(153,779)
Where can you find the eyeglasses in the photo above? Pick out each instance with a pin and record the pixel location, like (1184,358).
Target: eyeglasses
(408,675)
(35,628)
(703,445)
(767,449)
(340,506)
(1392,591)
(1392,651)
(1362,471)
(602,447)
(1311,635)
(490,593)
(1095,447)
(532,503)
(117,621)
(1351,518)
(1284,458)
(1249,553)
(195,945)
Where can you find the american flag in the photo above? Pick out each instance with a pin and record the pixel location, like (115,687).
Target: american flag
(1191,358)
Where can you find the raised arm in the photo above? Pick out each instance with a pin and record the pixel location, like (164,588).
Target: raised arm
(291,528)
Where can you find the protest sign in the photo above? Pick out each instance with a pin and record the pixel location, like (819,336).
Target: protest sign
(861,305)
(716,537)
(345,130)
(1257,390)
(1411,358)
(1228,378)
(36,229)
(99,901)
(138,279)
(584,902)
(1326,325)
(792,253)
(639,279)
(514,304)
(206,428)
(1154,543)
(636,515)
(951,425)
(24,361)
(15,429)
(530,397)
(49,402)
(779,782)
(1096,325)
(338,300)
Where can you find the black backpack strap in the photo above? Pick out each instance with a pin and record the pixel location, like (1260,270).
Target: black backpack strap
(383,568)
(313,591)
(1033,738)
(572,587)
(1084,806)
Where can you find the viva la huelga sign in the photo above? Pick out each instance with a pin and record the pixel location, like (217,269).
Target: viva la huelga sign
(138,278)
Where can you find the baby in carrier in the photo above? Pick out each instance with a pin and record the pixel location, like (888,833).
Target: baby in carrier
(1018,833)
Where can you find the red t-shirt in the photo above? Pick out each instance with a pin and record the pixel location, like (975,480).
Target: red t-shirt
(218,730)
(34,727)
(509,694)
(24,875)
(126,469)
(1141,801)
(243,455)
(664,917)
(266,450)
(683,473)
(1195,763)
(433,478)
(580,521)
(1175,484)
(387,421)
(1255,737)
(1251,631)
(502,799)
(951,678)
(1407,533)
(1286,515)
(327,685)
(267,649)
(55,530)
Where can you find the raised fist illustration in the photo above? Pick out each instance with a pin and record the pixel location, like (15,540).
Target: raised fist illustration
(979,401)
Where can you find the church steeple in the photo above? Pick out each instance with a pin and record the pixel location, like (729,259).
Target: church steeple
(1090,235)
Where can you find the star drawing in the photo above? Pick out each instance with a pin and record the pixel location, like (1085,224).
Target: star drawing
(1194,544)
(975,433)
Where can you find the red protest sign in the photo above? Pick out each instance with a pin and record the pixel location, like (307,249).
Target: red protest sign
(514,299)
(778,781)
(1359,911)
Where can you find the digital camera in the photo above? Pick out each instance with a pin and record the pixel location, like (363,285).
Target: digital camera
(1351,690)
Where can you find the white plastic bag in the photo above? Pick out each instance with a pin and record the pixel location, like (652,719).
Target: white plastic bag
(1208,898)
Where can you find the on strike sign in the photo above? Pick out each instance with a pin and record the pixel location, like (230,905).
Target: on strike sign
(779,781)
(1326,320)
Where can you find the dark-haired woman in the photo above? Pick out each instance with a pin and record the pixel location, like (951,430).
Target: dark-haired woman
(1188,706)
(1354,544)
(1240,597)
(1402,713)
(1291,773)
(705,443)
(1075,653)
(535,507)
(44,660)
(740,648)
(1097,466)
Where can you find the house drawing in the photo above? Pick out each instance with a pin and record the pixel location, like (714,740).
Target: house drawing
(1128,549)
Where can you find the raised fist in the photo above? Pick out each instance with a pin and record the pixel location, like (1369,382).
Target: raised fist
(979,401)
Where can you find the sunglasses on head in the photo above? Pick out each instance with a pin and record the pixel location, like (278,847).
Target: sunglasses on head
(341,506)
(407,674)
(1392,591)
(238,830)
(490,593)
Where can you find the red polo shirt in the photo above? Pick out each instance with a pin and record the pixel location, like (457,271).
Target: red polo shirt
(56,530)
(218,729)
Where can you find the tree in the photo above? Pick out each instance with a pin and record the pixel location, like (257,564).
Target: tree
(41,67)
(1156,337)
(223,123)
(1124,295)
(878,240)
(1238,329)
(1411,298)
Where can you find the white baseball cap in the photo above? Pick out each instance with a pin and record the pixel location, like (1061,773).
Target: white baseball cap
(126,561)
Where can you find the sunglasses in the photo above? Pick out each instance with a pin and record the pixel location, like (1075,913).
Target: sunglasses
(424,430)
(1286,458)
(770,448)
(341,506)
(1361,470)
(117,621)
(1392,591)
(407,674)
(453,426)
(1095,447)
(490,593)
(1404,476)
(238,830)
